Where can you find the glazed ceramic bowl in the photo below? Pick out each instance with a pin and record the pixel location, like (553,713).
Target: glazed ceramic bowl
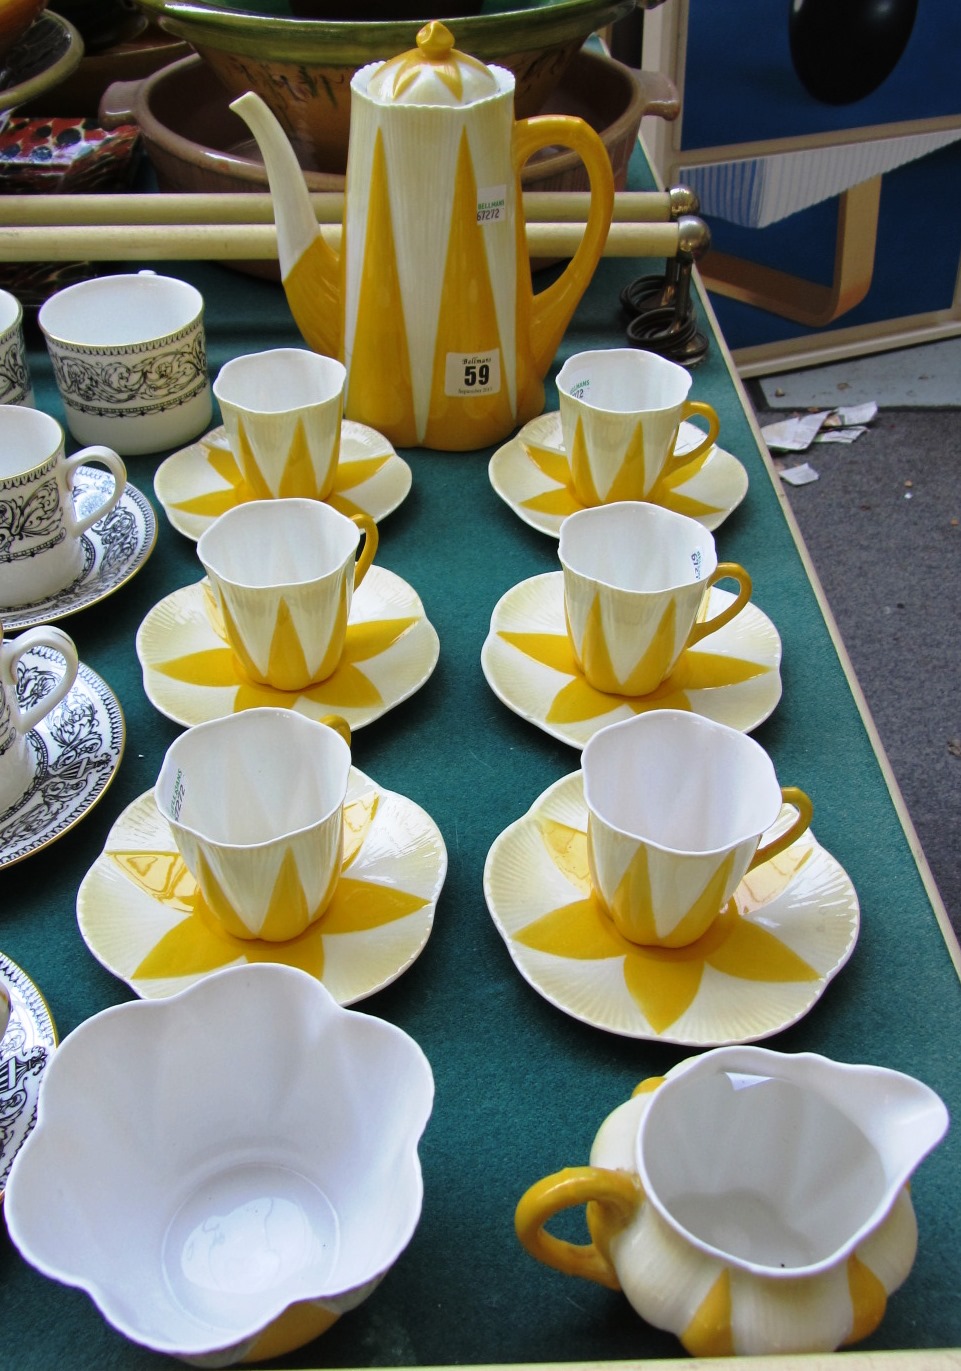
(302,67)
(16,16)
(42,56)
(228,1170)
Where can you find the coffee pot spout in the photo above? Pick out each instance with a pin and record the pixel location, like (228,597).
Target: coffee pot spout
(309,267)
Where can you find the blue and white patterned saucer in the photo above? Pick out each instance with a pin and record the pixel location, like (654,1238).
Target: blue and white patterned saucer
(76,749)
(114,549)
(25,1050)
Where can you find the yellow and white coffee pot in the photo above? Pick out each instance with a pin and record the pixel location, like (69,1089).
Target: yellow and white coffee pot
(429,303)
(752,1202)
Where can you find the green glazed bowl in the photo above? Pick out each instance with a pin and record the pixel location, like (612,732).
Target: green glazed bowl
(302,68)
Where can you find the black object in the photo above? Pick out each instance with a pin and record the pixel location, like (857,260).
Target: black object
(339,10)
(670,333)
(102,23)
(660,308)
(842,50)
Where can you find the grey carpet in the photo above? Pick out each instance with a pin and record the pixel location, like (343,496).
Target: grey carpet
(883,527)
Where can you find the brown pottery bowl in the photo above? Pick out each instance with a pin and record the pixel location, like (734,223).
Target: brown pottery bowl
(196,143)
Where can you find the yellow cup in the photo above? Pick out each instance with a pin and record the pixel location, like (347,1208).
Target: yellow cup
(635,579)
(621,409)
(677,805)
(255,801)
(282,410)
(283,573)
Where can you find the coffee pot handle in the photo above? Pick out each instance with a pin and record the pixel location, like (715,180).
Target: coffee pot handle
(554,306)
(616,1194)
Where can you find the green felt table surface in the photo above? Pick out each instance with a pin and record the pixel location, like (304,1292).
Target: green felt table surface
(520,1087)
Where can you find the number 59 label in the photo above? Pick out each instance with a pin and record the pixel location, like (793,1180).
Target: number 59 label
(472,373)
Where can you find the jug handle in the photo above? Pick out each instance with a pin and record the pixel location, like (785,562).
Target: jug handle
(554,306)
(617,1193)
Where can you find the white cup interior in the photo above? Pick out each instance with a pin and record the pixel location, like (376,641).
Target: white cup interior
(781,1177)
(637,547)
(251,778)
(681,782)
(118,311)
(624,380)
(279,380)
(28,437)
(277,543)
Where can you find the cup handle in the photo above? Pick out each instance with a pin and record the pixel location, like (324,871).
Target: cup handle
(26,719)
(371,538)
(339,724)
(677,460)
(805,810)
(111,460)
(736,572)
(617,1192)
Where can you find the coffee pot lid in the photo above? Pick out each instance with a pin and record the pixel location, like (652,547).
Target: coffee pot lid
(433,73)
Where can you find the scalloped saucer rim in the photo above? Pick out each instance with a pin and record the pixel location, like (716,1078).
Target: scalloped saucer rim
(392,484)
(362,961)
(595,990)
(189,606)
(515,477)
(503,664)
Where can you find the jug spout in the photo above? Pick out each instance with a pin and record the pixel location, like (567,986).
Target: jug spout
(902,1117)
(309,268)
(848,1137)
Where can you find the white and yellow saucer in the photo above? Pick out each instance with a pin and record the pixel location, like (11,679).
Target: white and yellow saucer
(142,916)
(788,929)
(531,474)
(190,672)
(201,482)
(732,676)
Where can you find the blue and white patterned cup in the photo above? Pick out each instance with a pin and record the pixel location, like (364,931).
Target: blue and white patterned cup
(130,361)
(27,695)
(42,550)
(15,386)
